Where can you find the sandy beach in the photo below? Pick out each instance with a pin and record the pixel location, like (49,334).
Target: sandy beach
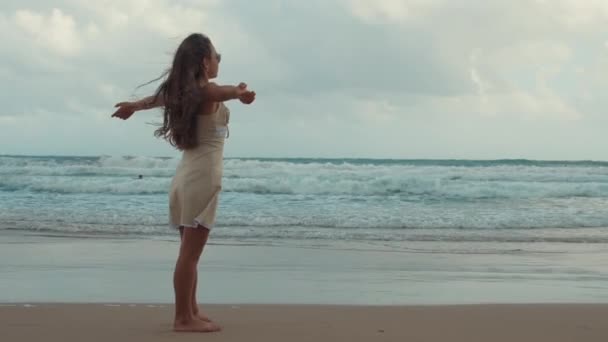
(152,322)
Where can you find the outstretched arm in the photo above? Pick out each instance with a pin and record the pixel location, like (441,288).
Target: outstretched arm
(217,93)
(212,92)
(149,102)
(126,109)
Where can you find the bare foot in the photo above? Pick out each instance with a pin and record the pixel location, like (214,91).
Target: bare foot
(202,317)
(195,325)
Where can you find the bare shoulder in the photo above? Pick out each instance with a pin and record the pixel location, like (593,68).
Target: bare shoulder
(209,86)
(210,89)
(218,93)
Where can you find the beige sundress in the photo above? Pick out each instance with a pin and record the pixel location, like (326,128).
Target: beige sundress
(196,186)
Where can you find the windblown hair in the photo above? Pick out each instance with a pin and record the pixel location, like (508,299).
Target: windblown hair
(181,92)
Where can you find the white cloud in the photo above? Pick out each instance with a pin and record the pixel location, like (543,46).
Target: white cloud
(542,104)
(389,10)
(411,67)
(480,84)
(8,120)
(108,90)
(503,90)
(577,14)
(373,10)
(530,53)
(114,18)
(55,31)
(167,18)
(375,111)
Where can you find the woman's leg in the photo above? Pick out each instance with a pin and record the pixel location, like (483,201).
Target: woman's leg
(193,242)
(195,310)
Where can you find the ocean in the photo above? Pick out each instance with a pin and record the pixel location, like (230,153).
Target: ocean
(335,231)
(317,200)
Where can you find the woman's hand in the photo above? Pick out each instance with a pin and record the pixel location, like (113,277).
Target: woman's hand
(244,95)
(125,110)
(247,97)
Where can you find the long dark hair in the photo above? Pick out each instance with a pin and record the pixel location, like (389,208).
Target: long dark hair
(181,92)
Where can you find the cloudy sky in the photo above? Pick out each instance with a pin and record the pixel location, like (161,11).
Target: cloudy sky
(470,79)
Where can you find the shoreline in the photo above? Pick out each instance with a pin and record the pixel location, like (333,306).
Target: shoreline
(98,270)
(336,323)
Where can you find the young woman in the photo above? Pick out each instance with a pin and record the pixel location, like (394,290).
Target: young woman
(195,122)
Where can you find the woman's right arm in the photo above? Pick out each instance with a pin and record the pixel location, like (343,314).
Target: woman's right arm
(149,102)
(126,109)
